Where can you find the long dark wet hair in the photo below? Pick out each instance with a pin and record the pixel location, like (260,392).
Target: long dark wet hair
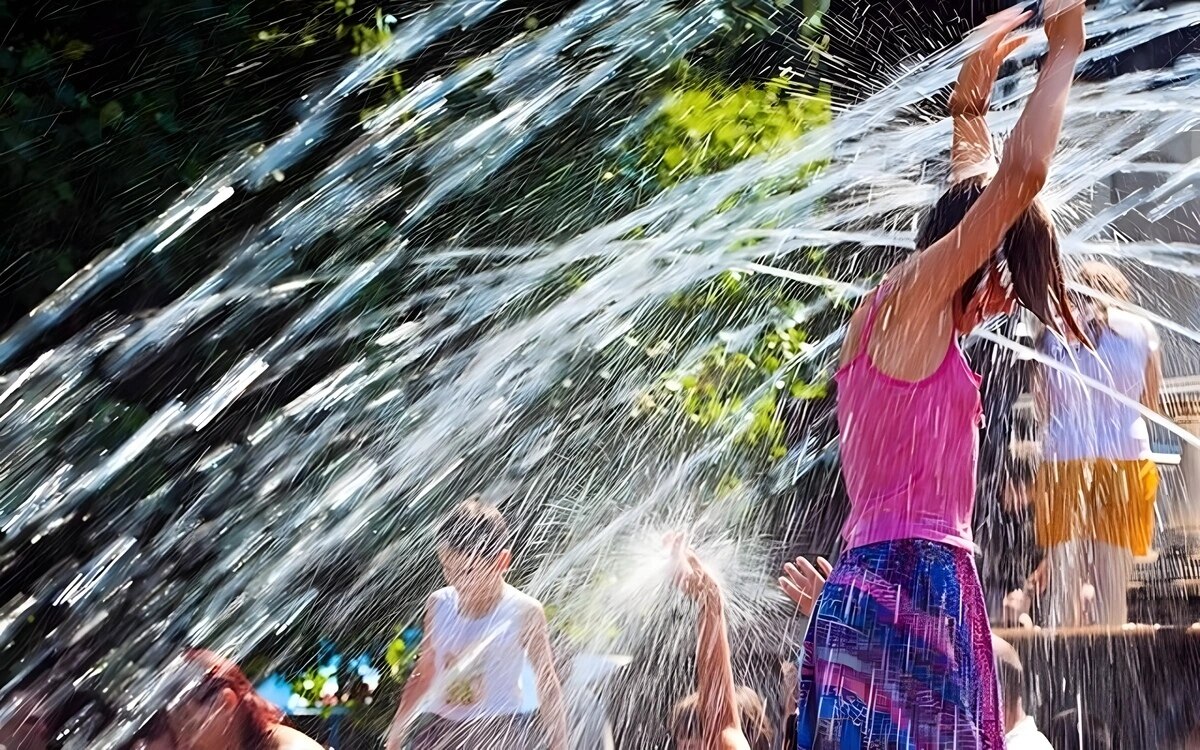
(1029,252)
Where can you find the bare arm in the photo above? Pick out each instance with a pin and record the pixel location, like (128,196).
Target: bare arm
(931,280)
(1152,391)
(720,723)
(535,637)
(971,149)
(721,726)
(415,688)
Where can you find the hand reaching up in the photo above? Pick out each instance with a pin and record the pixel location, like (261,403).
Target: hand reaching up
(690,575)
(978,75)
(803,583)
(1063,20)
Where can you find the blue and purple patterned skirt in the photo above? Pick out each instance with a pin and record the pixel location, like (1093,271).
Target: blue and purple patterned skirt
(898,655)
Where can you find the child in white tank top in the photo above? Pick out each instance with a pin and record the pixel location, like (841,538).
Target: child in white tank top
(466,690)
(1094,493)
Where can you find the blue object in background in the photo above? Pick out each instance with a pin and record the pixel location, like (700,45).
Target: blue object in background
(275,689)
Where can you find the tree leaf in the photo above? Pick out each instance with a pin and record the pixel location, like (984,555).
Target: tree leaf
(111,114)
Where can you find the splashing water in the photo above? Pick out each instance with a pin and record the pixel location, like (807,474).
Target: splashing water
(309,421)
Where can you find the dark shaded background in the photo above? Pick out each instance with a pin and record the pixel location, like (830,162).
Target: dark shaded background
(109,109)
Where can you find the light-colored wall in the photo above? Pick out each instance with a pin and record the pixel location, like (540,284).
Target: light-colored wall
(1169,286)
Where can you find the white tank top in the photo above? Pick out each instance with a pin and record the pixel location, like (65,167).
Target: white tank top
(1085,424)
(480,661)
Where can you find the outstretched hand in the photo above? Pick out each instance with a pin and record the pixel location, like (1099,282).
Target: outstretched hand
(973,91)
(802,583)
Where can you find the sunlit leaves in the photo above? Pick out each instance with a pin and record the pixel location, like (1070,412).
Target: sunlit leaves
(364,38)
(76,49)
(741,389)
(706,128)
(111,114)
(401,655)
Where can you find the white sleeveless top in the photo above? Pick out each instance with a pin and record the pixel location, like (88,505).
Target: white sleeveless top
(481,662)
(1086,424)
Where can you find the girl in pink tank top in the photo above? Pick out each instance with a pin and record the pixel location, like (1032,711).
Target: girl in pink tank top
(898,651)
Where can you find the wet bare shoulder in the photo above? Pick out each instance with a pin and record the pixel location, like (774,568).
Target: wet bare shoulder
(852,342)
(287,738)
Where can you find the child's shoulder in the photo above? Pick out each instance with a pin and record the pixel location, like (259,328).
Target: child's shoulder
(523,602)
(1130,326)
(440,596)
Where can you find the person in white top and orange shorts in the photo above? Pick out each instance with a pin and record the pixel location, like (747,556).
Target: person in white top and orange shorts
(1094,494)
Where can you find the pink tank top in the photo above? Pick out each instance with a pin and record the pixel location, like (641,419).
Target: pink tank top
(909,449)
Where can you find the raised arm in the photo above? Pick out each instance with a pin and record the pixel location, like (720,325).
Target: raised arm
(939,272)
(720,723)
(971,149)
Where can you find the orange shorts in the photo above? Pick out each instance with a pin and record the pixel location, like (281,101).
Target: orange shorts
(1109,501)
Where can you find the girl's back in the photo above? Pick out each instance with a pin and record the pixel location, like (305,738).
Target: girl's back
(908,448)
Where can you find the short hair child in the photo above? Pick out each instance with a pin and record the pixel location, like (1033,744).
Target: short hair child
(479,634)
(473,528)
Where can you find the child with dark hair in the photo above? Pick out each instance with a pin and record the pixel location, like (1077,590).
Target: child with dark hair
(479,632)
(719,715)
(1071,730)
(1020,730)
(898,650)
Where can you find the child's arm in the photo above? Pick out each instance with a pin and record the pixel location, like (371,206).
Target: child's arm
(1152,390)
(971,149)
(535,637)
(416,687)
(936,275)
(720,724)
(714,676)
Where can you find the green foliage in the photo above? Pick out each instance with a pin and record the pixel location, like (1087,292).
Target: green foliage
(116,421)
(109,109)
(310,686)
(704,128)
(708,128)
(400,657)
(107,112)
(729,382)
(366,38)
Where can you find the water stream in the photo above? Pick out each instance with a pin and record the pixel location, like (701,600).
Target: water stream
(421,363)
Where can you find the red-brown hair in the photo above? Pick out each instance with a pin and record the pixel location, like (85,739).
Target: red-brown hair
(259,716)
